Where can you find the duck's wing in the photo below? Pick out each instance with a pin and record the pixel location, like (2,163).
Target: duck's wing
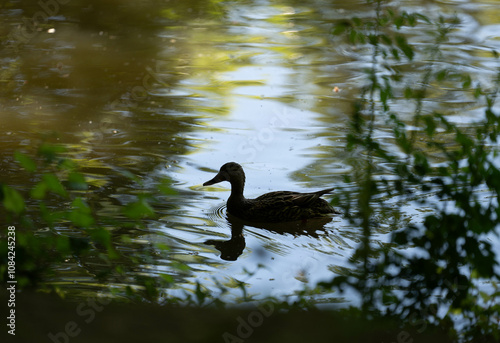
(284,198)
(308,199)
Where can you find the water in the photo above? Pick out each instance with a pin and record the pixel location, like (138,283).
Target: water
(175,92)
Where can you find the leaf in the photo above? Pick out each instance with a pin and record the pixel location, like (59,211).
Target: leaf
(67,164)
(373,39)
(340,28)
(399,21)
(101,236)
(166,187)
(423,17)
(200,294)
(421,165)
(81,214)
(12,200)
(139,209)
(467,81)
(402,43)
(385,39)
(76,181)
(395,53)
(39,191)
(53,184)
(25,161)
(408,92)
(182,267)
(442,74)
(167,278)
(478,92)
(430,128)
(163,246)
(50,151)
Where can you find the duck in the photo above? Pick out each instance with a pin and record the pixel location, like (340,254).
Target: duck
(273,207)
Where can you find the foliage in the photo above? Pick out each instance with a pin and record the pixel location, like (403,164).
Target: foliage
(439,263)
(56,221)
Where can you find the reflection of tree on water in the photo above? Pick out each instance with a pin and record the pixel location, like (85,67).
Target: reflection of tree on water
(233,248)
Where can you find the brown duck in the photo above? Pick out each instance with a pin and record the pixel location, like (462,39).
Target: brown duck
(278,206)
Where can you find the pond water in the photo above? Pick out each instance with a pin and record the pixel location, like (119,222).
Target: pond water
(175,90)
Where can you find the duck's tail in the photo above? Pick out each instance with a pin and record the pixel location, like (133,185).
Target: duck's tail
(324,191)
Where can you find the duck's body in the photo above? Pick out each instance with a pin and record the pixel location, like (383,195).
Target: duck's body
(271,207)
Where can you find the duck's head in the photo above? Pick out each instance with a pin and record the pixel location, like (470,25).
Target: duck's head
(231,172)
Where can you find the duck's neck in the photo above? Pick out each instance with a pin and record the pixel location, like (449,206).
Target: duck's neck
(237,187)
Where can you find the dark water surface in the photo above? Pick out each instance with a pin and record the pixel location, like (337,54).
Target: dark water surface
(174,89)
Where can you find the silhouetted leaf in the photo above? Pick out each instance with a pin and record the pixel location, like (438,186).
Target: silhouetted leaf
(405,48)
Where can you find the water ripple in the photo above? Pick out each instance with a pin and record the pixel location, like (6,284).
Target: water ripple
(217,214)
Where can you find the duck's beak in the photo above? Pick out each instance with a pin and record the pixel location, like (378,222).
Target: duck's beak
(215,180)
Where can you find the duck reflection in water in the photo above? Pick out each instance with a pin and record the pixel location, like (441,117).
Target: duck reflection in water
(231,249)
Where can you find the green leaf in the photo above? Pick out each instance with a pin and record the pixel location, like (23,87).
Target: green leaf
(77,181)
(167,278)
(139,209)
(395,53)
(81,214)
(430,125)
(163,246)
(25,161)
(62,244)
(66,163)
(442,74)
(101,236)
(373,39)
(12,200)
(182,267)
(478,92)
(129,175)
(166,187)
(50,152)
(402,43)
(200,294)
(53,184)
(423,17)
(340,28)
(385,39)
(467,81)
(39,191)
(399,21)
(421,164)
